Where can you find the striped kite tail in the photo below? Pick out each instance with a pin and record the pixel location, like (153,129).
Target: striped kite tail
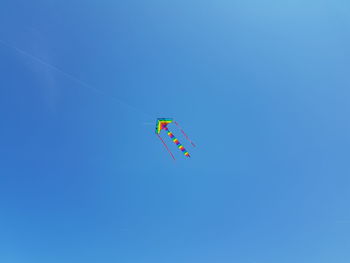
(176,141)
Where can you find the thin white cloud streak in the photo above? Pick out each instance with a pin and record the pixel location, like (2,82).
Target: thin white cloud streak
(73,78)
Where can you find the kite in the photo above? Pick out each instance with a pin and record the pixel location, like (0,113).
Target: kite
(162,124)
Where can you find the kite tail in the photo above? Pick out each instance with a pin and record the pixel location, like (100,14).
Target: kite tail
(166,147)
(184,134)
(176,141)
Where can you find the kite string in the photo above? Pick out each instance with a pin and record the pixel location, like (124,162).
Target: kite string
(166,146)
(184,134)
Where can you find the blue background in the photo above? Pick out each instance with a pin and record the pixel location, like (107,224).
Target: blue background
(262,88)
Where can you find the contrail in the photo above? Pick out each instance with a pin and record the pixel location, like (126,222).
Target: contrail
(71,77)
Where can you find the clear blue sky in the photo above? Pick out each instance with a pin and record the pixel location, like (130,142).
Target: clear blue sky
(262,87)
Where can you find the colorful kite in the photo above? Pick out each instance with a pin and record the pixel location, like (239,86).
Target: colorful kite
(162,124)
